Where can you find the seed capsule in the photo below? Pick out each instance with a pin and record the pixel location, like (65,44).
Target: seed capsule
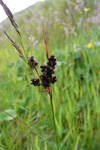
(35,82)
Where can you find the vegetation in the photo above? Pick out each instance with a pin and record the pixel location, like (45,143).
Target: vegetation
(72,34)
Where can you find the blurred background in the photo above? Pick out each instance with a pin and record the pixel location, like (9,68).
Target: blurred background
(72,32)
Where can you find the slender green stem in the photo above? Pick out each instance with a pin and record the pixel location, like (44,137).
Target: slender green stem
(20,40)
(54,121)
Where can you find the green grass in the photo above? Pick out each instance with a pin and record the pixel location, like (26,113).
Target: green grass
(76,94)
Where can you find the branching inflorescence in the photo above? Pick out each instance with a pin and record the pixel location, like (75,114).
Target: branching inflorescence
(47,71)
(46,78)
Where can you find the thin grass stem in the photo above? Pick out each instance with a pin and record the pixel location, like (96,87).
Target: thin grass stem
(58,145)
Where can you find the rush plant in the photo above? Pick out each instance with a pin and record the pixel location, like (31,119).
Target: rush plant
(46,78)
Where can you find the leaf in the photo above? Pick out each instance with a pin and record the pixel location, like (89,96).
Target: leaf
(19,78)
(4,116)
(76,139)
(1,148)
(59,124)
(36,143)
(45,146)
(77,55)
(66,137)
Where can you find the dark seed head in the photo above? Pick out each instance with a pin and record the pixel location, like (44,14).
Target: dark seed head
(32,62)
(53,79)
(35,82)
(52,61)
(47,72)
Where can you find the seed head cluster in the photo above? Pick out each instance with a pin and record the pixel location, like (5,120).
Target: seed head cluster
(35,82)
(33,63)
(47,73)
(52,61)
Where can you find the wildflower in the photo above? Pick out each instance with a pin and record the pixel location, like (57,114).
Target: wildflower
(40,45)
(79,6)
(61,27)
(67,11)
(66,31)
(90,45)
(35,44)
(55,12)
(86,9)
(79,23)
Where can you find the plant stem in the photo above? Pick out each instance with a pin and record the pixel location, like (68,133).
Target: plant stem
(54,121)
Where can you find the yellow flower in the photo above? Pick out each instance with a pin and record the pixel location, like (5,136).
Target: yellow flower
(86,9)
(61,27)
(90,45)
(40,45)
(66,36)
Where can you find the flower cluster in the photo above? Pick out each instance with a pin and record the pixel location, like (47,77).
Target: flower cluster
(90,45)
(86,9)
(35,82)
(32,63)
(47,73)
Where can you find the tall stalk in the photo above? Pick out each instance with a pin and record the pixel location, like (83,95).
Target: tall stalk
(55,129)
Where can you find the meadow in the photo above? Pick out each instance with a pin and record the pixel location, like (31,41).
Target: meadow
(72,34)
